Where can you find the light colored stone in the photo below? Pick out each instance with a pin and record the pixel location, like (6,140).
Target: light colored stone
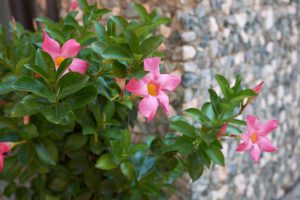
(239,58)
(269,18)
(190,66)
(213,26)
(165,31)
(241,19)
(240,183)
(188,36)
(188,52)
(226,6)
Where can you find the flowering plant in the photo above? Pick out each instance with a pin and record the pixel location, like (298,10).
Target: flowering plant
(69,98)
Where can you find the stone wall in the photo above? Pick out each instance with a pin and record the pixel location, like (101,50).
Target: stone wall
(259,39)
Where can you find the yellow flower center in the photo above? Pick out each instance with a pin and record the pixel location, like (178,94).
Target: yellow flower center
(59,60)
(253,138)
(152,89)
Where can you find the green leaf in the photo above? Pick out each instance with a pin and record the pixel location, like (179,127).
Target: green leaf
(81,97)
(29,105)
(232,130)
(119,69)
(56,112)
(208,110)
(127,170)
(106,162)
(98,47)
(63,67)
(46,151)
(183,127)
(75,142)
(29,131)
(224,85)
(45,61)
(151,44)
(71,83)
(111,27)
(116,52)
(141,11)
(194,165)
(215,154)
(198,115)
(215,101)
(133,41)
(33,85)
(242,95)
(37,69)
(100,31)
(120,21)
(6,87)
(44,20)
(183,145)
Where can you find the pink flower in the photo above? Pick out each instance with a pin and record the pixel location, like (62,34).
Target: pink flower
(70,49)
(153,88)
(26,119)
(4,148)
(222,131)
(74,5)
(258,88)
(255,139)
(121,84)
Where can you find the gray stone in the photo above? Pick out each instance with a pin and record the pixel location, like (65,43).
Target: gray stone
(188,36)
(189,79)
(188,52)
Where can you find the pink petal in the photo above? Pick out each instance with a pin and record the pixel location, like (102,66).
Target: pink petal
(26,119)
(267,127)
(266,145)
(152,65)
(222,130)
(137,87)
(74,5)
(1,162)
(164,101)
(244,146)
(148,107)
(169,81)
(252,123)
(78,65)
(70,48)
(255,153)
(5,147)
(258,88)
(50,46)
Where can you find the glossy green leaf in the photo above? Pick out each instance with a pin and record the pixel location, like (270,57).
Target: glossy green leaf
(224,85)
(71,83)
(81,97)
(183,127)
(243,95)
(63,67)
(75,142)
(106,162)
(116,52)
(56,112)
(119,69)
(38,70)
(46,151)
(194,165)
(141,11)
(133,41)
(151,44)
(127,170)
(215,155)
(33,85)
(120,21)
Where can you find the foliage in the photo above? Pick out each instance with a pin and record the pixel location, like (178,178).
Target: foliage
(78,144)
